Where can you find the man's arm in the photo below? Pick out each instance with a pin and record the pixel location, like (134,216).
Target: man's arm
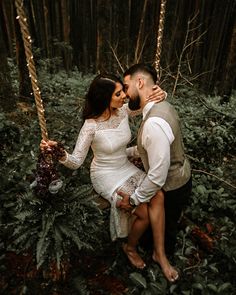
(157,138)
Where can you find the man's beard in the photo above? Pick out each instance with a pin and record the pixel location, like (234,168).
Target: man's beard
(134,104)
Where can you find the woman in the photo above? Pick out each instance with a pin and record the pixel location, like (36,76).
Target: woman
(106,130)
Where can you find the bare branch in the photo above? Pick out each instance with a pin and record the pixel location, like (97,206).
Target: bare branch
(212,109)
(186,45)
(116,57)
(215,176)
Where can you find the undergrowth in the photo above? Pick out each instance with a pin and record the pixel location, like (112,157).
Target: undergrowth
(51,230)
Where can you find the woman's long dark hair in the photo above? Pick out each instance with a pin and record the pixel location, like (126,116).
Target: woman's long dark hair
(98,98)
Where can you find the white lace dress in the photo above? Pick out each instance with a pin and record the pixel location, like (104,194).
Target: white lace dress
(110,168)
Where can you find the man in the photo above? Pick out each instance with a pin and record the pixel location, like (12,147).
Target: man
(161,149)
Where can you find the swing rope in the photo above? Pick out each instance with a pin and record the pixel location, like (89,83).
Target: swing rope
(31,66)
(160,36)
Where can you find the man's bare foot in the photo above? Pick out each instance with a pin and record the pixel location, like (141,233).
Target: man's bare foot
(133,257)
(169,271)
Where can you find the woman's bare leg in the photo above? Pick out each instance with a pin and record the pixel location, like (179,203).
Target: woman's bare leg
(138,227)
(156,212)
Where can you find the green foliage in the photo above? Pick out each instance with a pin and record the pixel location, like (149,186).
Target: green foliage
(70,220)
(209,127)
(52,228)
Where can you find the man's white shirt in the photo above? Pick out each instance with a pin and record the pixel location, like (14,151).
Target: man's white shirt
(157,136)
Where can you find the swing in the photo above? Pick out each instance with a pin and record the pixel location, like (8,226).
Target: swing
(46,173)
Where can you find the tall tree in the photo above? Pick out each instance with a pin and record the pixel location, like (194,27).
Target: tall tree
(66,33)
(100,35)
(25,88)
(7,99)
(104,54)
(230,68)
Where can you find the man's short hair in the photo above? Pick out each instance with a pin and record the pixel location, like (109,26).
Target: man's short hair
(142,68)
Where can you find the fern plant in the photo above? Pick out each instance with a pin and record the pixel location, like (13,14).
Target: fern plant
(52,228)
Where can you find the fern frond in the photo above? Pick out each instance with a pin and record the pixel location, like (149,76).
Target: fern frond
(81,194)
(58,249)
(30,243)
(43,242)
(23,238)
(21,216)
(73,235)
(41,249)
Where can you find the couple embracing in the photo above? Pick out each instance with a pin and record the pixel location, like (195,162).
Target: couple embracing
(138,199)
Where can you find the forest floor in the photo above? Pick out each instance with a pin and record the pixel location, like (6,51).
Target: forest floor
(103,272)
(107,271)
(92,273)
(87,272)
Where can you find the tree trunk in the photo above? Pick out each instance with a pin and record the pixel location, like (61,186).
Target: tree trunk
(7,99)
(103,36)
(66,34)
(7,15)
(97,35)
(230,72)
(25,88)
(138,49)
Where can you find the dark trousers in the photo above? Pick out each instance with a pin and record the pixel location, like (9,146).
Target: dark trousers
(175,202)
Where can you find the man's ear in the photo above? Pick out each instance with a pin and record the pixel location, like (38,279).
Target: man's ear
(140,82)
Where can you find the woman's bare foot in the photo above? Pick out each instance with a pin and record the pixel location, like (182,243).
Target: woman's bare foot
(169,271)
(133,257)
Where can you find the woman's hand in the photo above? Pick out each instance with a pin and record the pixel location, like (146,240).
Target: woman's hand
(45,145)
(157,94)
(53,146)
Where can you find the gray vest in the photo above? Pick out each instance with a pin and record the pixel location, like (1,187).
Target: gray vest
(179,171)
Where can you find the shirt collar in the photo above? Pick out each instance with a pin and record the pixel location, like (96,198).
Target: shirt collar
(147,108)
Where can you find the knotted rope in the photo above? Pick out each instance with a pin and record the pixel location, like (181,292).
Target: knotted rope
(31,66)
(160,36)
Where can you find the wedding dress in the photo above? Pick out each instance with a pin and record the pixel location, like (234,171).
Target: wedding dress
(110,168)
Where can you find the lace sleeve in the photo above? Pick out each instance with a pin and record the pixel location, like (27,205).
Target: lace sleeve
(83,143)
(130,112)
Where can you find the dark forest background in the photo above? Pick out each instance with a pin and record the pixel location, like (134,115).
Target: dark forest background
(59,243)
(199,41)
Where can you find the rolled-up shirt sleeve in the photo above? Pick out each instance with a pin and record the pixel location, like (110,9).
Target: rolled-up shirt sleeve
(156,140)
